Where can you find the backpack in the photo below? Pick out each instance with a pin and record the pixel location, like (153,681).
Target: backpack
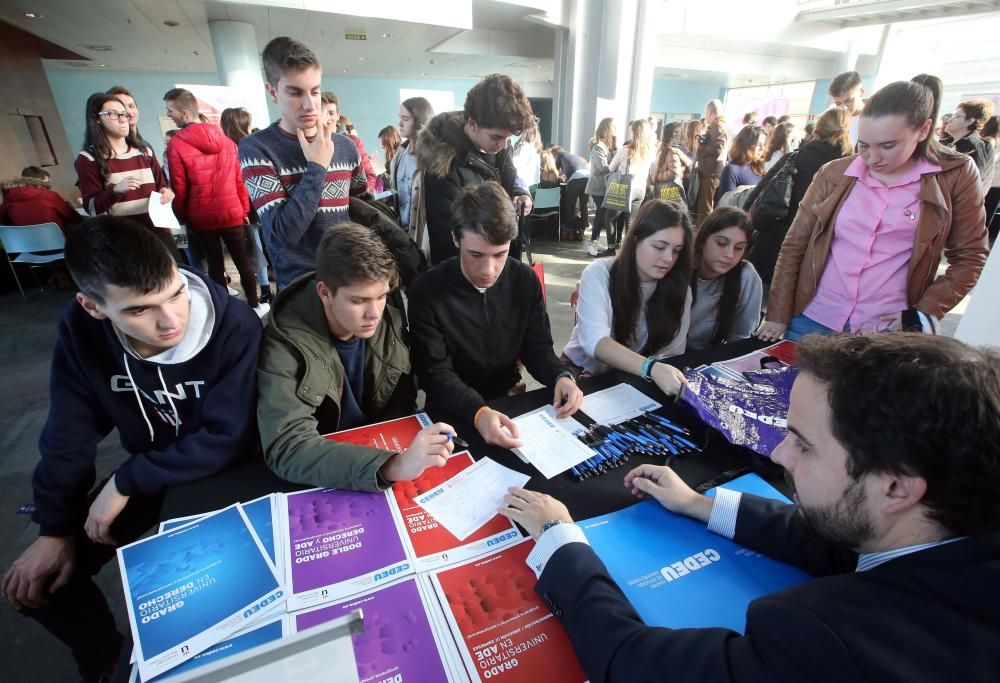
(775,198)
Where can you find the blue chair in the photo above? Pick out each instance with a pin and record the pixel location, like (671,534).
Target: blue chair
(547,203)
(27,241)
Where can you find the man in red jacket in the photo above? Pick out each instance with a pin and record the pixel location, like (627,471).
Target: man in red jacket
(30,200)
(209,195)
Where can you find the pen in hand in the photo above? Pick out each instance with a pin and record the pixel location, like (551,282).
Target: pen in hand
(461,443)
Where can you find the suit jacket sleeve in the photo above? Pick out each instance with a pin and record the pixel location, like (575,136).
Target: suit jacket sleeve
(783,640)
(778,531)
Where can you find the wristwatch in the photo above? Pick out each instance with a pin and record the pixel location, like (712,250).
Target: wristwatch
(549,524)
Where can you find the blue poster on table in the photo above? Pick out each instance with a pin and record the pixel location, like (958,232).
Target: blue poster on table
(678,574)
(192,587)
(260,512)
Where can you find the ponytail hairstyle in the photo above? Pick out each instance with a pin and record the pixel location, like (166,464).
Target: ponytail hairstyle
(915,102)
(665,307)
(834,128)
(717,221)
(95,141)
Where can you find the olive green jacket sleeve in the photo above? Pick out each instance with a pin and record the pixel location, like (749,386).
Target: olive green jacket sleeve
(290,392)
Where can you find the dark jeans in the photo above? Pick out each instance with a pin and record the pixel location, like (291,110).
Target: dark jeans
(78,614)
(574,194)
(236,243)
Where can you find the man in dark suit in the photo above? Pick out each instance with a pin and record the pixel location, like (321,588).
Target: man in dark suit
(894,453)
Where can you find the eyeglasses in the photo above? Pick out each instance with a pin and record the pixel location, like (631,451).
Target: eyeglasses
(115,115)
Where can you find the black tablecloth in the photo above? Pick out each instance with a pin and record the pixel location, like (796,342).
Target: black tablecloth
(597,495)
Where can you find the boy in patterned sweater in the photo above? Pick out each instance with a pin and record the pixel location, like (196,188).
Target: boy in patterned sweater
(299,173)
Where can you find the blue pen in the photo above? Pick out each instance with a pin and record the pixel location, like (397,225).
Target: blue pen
(457,441)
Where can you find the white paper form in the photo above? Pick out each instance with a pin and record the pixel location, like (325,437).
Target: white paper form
(549,443)
(617,404)
(470,499)
(162,215)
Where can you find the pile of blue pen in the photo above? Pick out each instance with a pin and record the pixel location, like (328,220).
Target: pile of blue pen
(647,434)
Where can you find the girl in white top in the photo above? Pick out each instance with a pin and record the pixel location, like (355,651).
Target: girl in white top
(636,307)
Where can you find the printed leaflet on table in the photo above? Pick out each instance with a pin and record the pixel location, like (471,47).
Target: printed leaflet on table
(503,630)
(431,544)
(617,404)
(550,443)
(188,589)
(391,435)
(678,574)
(398,643)
(274,628)
(338,543)
(262,513)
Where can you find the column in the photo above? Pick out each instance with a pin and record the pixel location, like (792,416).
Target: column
(237,60)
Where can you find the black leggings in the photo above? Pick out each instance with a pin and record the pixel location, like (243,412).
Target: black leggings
(573,194)
(236,243)
(616,222)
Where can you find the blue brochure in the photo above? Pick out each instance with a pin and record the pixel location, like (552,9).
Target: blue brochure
(678,574)
(192,587)
(260,513)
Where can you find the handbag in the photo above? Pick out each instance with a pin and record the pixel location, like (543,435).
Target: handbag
(775,199)
(618,196)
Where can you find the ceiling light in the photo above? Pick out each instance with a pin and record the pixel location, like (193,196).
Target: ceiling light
(361,59)
(34,15)
(345,71)
(423,73)
(171,23)
(387,35)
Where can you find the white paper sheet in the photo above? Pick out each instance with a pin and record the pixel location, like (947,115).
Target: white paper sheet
(549,443)
(470,499)
(617,404)
(162,215)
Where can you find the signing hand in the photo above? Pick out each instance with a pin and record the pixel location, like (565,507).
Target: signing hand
(669,490)
(531,510)
(498,429)
(771,331)
(320,148)
(127,184)
(525,201)
(40,571)
(103,512)
(668,378)
(568,397)
(430,448)
(167,195)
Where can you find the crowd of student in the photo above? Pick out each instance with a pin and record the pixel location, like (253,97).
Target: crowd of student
(192,382)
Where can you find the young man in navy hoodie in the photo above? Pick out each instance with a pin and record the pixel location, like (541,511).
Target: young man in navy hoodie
(169,359)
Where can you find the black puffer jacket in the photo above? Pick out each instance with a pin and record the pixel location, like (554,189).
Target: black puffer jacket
(767,240)
(449,163)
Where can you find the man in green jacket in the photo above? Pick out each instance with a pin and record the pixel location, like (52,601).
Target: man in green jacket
(334,357)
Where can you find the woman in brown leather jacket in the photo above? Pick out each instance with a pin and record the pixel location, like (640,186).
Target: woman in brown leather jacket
(864,249)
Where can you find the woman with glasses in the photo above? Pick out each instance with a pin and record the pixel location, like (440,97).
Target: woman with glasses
(117,175)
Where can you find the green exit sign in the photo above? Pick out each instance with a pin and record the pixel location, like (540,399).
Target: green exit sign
(354,35)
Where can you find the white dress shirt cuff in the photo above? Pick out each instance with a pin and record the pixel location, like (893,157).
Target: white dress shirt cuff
(551,541)
(722,521)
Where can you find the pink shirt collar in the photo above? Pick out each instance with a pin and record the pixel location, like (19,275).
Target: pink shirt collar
(859,169)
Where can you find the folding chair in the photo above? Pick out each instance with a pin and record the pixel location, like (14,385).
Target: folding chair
(547,203)
(27,241)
